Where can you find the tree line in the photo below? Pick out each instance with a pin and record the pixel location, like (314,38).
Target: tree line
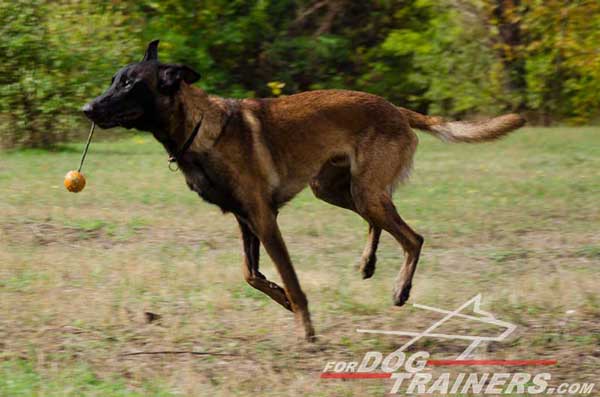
(456,58)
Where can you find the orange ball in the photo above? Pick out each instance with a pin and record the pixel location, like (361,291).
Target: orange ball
(74,181)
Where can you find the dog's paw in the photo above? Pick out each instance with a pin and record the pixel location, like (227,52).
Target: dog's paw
(401,295)
(367,266)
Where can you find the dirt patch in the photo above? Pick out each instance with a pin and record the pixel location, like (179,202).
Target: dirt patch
(53,234)
(45,233)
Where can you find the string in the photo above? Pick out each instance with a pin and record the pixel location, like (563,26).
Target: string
(87,145)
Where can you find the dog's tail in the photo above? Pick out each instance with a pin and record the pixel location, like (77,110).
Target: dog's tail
(463,131)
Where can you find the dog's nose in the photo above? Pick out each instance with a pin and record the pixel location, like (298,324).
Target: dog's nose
(87,109)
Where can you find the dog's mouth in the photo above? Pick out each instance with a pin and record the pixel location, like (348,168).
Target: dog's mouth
(124,119)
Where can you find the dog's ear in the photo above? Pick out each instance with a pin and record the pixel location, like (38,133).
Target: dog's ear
(152,51)
(171,76)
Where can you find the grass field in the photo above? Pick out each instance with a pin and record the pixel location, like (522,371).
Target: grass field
(517,220)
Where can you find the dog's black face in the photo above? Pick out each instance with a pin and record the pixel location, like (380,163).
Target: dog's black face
(139,92)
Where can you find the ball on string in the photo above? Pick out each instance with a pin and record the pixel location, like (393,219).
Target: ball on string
(74,181)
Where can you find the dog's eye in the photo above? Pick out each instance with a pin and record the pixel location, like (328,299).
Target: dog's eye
(128,83)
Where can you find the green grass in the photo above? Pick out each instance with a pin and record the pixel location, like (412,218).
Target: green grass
(516,220)
(20,379)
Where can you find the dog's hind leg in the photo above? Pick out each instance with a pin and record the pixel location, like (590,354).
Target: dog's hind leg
(251,247)
(369,258)
(332,185)
(382,161)
(377,208)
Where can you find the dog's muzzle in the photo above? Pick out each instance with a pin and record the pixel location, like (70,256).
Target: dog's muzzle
(88,110)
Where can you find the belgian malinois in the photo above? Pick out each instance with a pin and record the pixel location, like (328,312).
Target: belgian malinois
(251,156)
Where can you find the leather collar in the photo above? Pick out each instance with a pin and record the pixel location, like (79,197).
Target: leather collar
(175,157)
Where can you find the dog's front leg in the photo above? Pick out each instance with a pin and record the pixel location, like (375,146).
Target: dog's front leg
(251,248)
(265,226)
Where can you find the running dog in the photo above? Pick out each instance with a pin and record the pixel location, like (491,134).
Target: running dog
(251,156)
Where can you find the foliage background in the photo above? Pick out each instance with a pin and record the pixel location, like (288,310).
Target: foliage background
(457,58)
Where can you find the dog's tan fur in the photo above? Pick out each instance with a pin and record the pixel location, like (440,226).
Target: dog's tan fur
(352,148)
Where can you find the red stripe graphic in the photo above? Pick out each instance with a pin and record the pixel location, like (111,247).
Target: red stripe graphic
(513,363)
(355,375)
